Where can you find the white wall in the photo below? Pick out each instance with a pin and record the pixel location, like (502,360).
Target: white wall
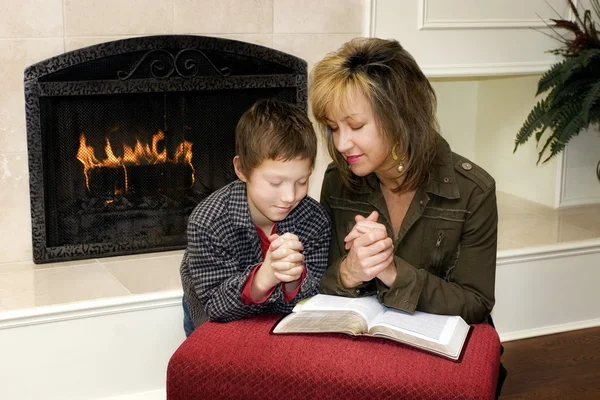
(503,106)
(457,111)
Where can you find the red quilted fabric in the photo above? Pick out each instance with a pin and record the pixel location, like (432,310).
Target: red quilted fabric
(241,360)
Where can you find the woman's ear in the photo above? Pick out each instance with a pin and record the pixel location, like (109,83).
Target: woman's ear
(238,171)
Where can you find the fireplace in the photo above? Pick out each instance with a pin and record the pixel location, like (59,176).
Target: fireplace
(126,137)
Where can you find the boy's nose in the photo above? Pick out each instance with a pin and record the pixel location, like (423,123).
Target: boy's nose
(288,195)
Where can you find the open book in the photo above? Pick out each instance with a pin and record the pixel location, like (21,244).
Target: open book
(441,334)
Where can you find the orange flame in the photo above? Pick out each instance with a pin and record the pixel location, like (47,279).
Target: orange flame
(140,155)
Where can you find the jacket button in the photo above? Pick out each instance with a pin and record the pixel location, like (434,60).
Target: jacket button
(467,166)
(446,180)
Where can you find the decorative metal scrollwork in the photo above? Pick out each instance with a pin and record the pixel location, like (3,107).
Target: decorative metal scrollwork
(184,67)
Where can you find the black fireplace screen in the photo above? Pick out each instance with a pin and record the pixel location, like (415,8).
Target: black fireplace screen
(126,137)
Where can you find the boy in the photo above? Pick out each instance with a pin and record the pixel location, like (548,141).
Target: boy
(258,244)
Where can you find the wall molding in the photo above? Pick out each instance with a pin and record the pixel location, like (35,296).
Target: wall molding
(423,23)
(540,253)
(370,18)
(487,69)
(549,330)
(87,309)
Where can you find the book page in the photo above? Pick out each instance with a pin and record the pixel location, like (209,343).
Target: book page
(322,321)
(428,326)
(368,307)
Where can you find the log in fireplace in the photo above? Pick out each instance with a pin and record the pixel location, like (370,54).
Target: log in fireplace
(126,137)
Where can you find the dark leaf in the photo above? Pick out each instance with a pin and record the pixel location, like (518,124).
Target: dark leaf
(535,120)
(551,78)
(593,95)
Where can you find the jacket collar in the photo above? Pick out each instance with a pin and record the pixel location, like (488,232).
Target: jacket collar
(238,206)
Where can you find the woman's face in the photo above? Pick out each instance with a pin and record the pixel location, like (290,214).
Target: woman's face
(358,138)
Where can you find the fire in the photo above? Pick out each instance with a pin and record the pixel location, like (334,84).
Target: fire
(140,154)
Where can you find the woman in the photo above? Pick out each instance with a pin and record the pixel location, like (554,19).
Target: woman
(413,222)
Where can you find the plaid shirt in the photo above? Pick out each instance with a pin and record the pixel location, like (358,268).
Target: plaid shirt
(224,247)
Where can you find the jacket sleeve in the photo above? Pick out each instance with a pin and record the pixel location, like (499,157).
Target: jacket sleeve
(330,282)
(469,290)
(217,277)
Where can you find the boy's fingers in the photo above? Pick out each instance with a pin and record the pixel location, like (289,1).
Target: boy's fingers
(284,251)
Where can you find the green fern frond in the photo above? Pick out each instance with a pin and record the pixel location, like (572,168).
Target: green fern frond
(555,148)
(535,120)
(566,90)
(550,140)
(587,56)
(593,95)
(572,66)
(551,78)
(538,134)
(567,123)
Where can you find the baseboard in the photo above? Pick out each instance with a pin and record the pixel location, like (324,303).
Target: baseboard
(549,330)
(578,202)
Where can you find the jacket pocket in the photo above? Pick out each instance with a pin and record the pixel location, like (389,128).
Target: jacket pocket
(443,244)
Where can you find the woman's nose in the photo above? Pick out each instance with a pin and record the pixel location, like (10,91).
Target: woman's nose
(343,142)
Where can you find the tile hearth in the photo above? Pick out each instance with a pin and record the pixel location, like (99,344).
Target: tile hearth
(25,284)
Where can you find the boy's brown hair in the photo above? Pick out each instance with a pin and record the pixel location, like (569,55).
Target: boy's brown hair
(401,97)
(273,129)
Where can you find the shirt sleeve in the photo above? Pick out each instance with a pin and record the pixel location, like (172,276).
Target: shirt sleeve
(289,296)
(218,278)
(469,290)
(247,290)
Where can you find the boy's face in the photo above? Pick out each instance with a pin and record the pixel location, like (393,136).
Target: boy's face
(275,188)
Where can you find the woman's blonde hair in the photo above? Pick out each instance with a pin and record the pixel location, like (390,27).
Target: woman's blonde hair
(401,97)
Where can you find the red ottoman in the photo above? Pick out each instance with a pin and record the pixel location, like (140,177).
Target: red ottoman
(242,360)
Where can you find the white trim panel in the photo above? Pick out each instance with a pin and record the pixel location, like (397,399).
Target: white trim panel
(547,289)
(487,69)
(424,23)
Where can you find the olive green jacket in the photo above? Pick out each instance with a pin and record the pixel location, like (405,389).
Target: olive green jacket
(445,252)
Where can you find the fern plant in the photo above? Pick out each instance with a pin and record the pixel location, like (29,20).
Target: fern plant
(573,86)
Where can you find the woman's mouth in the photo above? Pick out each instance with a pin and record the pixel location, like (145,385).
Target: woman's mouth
(353,159)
